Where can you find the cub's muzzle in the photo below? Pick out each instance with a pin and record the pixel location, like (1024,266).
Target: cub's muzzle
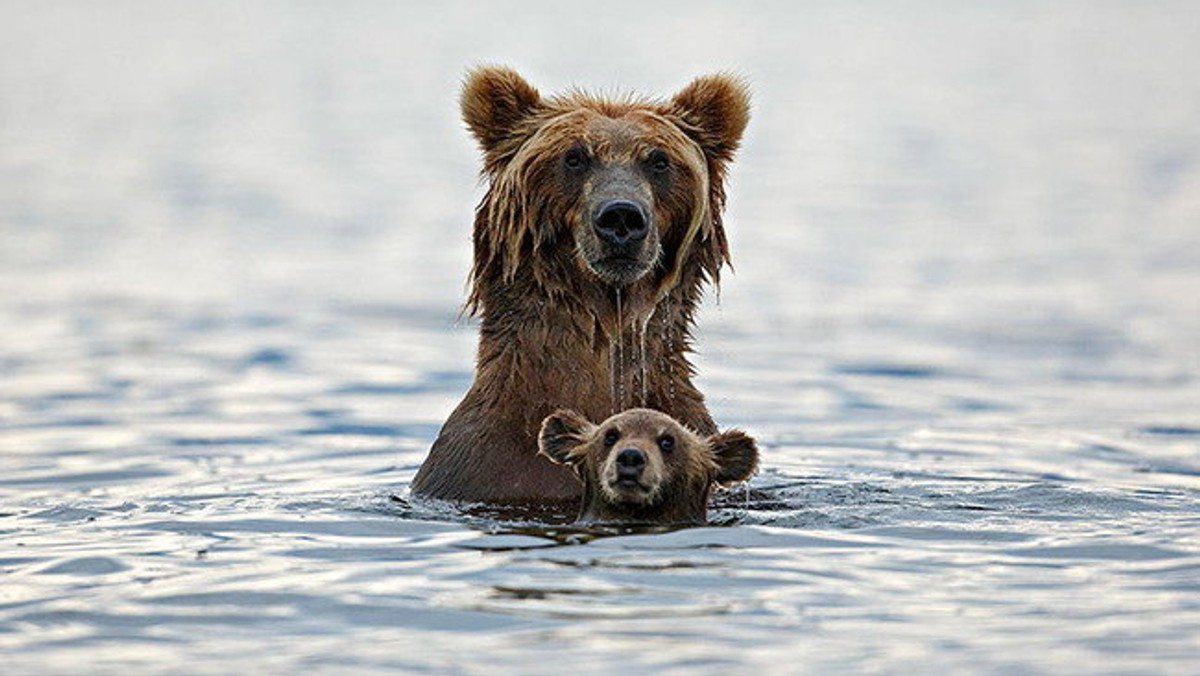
(630,463)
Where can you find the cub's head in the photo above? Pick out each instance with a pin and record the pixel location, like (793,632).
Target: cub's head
(642,466)
(618,187)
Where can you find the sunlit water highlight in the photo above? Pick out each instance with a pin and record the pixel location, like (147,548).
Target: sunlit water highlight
(965,327)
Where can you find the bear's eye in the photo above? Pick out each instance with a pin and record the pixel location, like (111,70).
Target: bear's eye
(658,162)
(667,443)
(611,437)
(576,159)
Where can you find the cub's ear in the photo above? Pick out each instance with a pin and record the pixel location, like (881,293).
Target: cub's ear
(564,436)
(714,110)
(495,101)
(736,455)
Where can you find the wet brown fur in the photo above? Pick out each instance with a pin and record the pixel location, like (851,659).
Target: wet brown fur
(678,482)
(553,334)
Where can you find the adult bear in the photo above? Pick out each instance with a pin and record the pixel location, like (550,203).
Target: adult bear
(600,227)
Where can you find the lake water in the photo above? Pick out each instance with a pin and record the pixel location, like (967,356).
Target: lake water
(964,326)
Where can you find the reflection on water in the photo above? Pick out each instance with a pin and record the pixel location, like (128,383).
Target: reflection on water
(964,327)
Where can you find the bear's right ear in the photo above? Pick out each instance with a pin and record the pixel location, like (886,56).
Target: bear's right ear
(564,437)
(495,101)
(736,455)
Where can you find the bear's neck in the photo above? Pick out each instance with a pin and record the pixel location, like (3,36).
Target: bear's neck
(595,348)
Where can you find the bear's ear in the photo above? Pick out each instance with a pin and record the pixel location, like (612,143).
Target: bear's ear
(495,101)
(714,110)
(736,455)
(564,437)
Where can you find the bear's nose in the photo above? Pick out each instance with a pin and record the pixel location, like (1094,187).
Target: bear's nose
(630,461)
(621,222)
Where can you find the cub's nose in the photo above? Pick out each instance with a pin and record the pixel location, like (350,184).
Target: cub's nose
(621,222)
(630,462)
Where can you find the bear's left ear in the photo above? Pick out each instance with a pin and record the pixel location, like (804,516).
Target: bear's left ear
(564,436)
(714,110)
(495,102)
(736,455)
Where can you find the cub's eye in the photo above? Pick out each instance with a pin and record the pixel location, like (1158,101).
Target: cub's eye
(667,443)
(611,437)
(658,162)
(575,159)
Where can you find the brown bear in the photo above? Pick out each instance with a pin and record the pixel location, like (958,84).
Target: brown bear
(599,229)
(641,466)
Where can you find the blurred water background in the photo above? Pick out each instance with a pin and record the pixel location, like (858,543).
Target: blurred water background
(964,324)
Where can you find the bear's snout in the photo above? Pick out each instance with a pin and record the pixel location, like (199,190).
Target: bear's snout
(620,244)
(621,223)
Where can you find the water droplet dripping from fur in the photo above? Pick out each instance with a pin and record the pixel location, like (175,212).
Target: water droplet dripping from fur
(668,367)
(643,375)
(617,357)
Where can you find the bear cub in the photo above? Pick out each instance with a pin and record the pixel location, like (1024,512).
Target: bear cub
(643,467)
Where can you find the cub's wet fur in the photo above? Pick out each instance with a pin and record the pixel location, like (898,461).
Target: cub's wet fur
(642,466)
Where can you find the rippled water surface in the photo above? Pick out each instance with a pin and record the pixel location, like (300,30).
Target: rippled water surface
(964,325)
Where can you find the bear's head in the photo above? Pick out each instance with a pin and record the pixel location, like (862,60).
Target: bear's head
(641,466)
(625,189)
